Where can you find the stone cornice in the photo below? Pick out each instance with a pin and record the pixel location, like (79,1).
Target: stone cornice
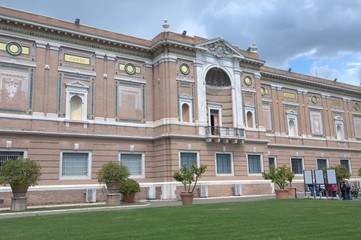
(302,81)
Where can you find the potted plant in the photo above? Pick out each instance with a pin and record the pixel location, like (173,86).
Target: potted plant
(279,176)
(188,176)
(290,175)
(20,174)
(112,174)
(129,188)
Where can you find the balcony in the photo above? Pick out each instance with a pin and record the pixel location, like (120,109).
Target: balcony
(224,134)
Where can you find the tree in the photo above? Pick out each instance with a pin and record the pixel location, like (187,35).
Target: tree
(189,176)
(279,175)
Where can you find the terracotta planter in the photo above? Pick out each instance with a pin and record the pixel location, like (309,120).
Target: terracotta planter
(113,187)
(187,198)
(281,193)
(129,198)
(19,190)
(292,191)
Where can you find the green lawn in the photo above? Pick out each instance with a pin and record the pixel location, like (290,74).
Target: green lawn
(268,219)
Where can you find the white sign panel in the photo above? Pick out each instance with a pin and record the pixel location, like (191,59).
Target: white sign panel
(319,177)
(331,176)
(307,176)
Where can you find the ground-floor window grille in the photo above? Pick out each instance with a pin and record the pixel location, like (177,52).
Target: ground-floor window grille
(254,164)
(9,155)
(224,163)
(134,162)
(297,165)
(188,158)
(75,165)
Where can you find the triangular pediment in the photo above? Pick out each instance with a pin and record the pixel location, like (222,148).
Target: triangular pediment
(220,48)
(76,84)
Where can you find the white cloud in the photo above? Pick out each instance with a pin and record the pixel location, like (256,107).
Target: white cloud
(192,28)
(283,30)
(325,72)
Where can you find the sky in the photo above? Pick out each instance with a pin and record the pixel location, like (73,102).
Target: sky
(321,38)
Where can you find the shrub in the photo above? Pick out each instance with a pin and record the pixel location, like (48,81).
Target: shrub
(129,186)
(21,171)
(112,172)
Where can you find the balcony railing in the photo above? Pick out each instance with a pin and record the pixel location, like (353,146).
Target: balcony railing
(224,132)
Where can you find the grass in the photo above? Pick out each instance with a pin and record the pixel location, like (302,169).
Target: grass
(269,219)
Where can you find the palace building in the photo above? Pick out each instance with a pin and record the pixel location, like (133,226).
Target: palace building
(73,97)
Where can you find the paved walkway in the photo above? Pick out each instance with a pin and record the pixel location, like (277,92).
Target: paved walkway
(143,204)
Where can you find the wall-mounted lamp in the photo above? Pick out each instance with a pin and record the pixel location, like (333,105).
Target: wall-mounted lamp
(76,146)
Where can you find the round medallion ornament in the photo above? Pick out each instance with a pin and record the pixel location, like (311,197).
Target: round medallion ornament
(184,68)
(314,99)
(263,91)
(129,68)
(356,106)
(248,81)
(13,48)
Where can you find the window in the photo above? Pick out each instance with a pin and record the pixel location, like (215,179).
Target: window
(214,118)
(271,161)
(224,163)
(218,78)
(297,165)
(134,162)
(254,164)
(346,163)
(321,163)
(9,155)
(75,164)
(188,158)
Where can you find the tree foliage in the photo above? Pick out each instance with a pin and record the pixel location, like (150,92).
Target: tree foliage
(281,175)
(189,176)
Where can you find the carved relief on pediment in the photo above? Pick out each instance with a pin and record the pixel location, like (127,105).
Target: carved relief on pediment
(219,49)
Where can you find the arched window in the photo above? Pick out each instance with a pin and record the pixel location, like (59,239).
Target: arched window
(185,112)
(218,78)
(76,108)
(249,119)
